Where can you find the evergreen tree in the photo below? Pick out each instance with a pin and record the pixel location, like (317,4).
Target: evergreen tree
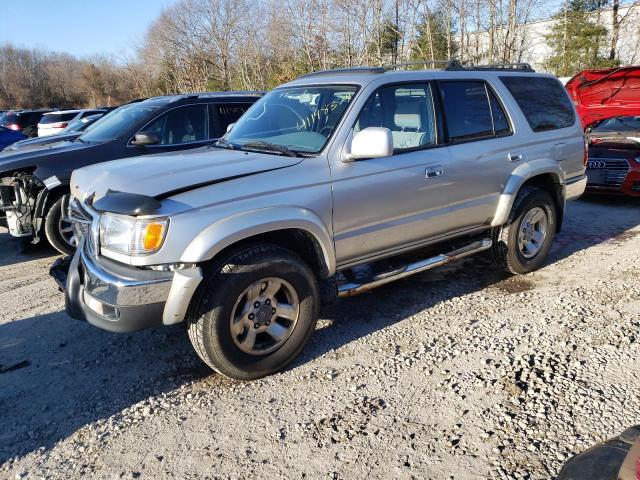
(433,38)
(576,39)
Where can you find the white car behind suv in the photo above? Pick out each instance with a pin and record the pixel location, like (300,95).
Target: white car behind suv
(54,122)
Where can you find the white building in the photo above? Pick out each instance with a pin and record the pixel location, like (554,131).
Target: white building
(532,47)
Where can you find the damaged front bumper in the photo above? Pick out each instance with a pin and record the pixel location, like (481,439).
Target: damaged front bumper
(22,200)
(121,298)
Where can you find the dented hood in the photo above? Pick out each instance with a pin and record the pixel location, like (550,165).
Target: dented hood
(600,94)
(165,175)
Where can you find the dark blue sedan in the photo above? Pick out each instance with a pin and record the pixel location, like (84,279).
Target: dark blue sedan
(8,136)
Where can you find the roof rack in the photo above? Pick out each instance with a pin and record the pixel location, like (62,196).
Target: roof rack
(520,67)
(451,64)
(344,71)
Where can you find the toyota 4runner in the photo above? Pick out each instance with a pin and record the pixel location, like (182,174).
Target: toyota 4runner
(353,177)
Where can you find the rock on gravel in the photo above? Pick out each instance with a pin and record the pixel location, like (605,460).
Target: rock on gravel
(456,373)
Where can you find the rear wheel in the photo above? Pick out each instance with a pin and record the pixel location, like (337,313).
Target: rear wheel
(254,311)
(522,244)
(59,230)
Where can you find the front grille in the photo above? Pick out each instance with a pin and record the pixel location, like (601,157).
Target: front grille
(607,172)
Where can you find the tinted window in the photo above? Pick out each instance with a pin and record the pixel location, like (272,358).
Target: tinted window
(181,125)
(406,110)
(618,124)
(466,109)
(543,100)
(500,121)
(225,114)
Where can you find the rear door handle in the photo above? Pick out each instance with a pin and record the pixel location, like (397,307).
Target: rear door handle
(515,157)
(435,171)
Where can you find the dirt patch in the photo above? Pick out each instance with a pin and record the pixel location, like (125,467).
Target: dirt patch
(515,285)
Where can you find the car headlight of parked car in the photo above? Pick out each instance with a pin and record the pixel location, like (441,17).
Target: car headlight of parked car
(131,235)
(637,159)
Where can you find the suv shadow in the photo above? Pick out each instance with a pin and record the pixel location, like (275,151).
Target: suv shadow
(63,375)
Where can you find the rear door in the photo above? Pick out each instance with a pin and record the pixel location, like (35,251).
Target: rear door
(482,150)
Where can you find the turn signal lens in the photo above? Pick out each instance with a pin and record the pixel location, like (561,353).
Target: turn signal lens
(153,236)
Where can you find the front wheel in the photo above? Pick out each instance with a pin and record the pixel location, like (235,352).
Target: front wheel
(59,230)
(522,244)
(254,311)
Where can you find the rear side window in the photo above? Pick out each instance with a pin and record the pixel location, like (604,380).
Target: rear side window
(406,110)
(472,111)
(543,101)
(57,117)
(225,114)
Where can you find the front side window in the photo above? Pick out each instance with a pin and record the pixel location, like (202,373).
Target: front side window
(119,122)
(294,119)
(543,101)
(406,110)
(468,111)
(181,125)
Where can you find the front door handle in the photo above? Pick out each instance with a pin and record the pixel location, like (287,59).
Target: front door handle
(515,157)
(435,171)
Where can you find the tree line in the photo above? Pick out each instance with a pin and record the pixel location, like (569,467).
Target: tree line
(201,45)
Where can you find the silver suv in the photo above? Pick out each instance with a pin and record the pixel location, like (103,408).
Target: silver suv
(357,177)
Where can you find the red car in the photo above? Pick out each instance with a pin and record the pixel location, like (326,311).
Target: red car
(608,102)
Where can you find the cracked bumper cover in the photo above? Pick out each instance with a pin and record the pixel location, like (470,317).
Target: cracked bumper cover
(120,298)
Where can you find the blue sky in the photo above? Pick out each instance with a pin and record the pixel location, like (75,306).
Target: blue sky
(79,27)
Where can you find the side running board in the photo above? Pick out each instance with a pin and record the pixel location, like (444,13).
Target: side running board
(350,289)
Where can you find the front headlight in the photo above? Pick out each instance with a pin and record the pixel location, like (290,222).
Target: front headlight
(130,235)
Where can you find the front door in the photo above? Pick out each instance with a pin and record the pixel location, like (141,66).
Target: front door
(383,204)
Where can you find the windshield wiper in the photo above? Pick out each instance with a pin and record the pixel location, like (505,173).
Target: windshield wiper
(224,143)
(271,147)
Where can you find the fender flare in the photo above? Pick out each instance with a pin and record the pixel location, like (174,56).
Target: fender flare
(518,178)
(216,237)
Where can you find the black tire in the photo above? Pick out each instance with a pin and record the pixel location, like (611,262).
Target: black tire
(223,285)
(52,229)
(505,249)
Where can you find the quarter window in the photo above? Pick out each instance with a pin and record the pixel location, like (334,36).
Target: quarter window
(406,110)
(225,114)
(472,111)
(543,101)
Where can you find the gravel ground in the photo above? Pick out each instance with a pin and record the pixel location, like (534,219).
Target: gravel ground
(456,373)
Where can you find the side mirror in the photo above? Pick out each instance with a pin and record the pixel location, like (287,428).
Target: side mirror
(230,126)
(372,142)
(142,139)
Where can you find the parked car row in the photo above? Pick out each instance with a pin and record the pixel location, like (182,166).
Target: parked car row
(43,122)
(37,176)
(228,210)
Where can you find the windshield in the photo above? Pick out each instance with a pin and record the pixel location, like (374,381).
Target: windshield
(618,124)
(299,119)
(118,122)
(83,124)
